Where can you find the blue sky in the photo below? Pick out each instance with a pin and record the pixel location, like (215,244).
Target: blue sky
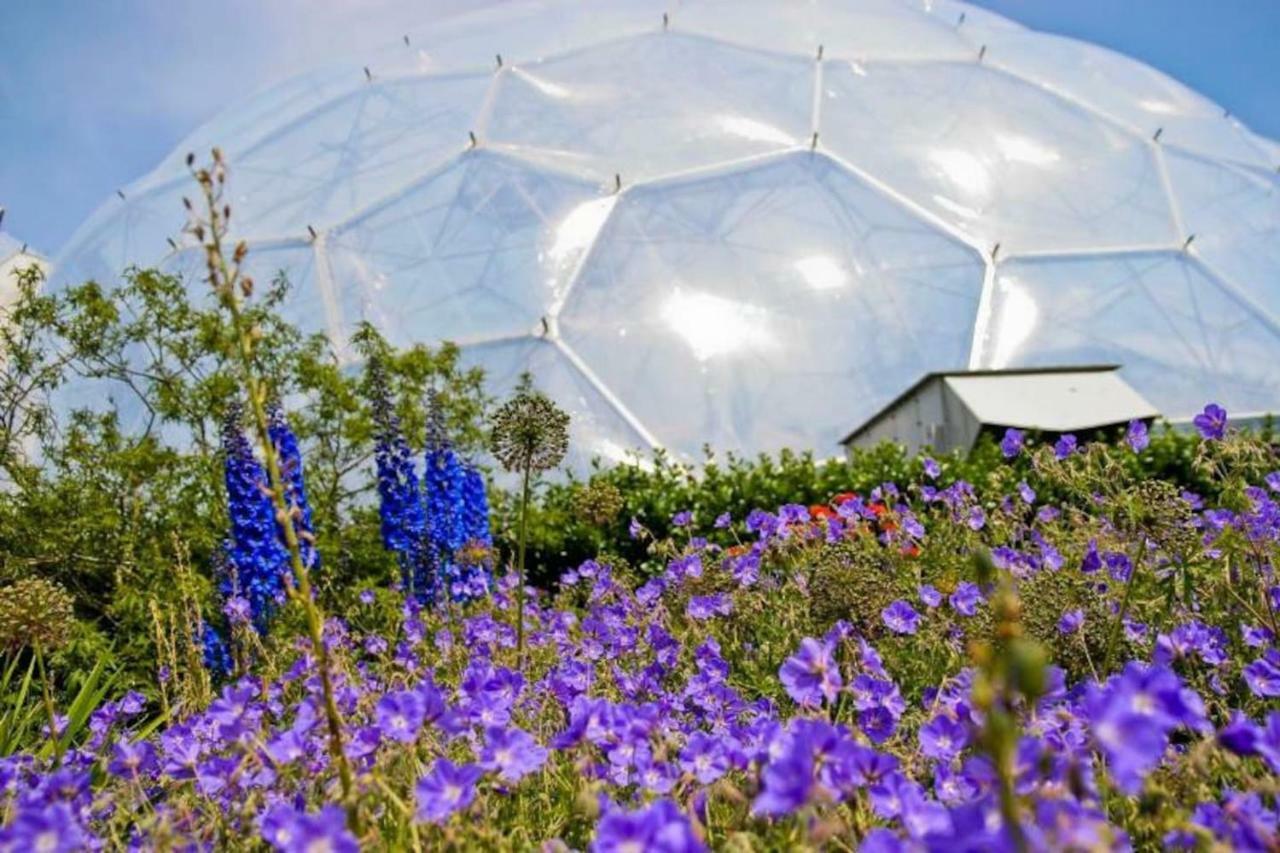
(93,93)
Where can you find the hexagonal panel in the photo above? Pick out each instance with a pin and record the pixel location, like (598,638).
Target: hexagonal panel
(1132,93)
(483,248)
(652,105)
(870,30)
(1179,337)
(742,305)
(1004,161)
(596,427)
(337,160)
(1234,215)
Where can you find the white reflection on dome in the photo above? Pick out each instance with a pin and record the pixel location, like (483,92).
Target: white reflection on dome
(1024,149)
(545,87)
(575,233)
(964,170)
(1014,324)
(713,326)
(822,272)
(749,128)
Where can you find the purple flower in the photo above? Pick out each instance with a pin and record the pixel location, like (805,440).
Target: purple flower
(1065,446)
(400,715)
(291,831)
(705,758)
(943,738)
(1136,436)
(132,759)
(1011,444)
(512,752)
(977,518)
(901,618)
(965,598)
(811,674)
(661,827)
(1027,493)
(709,606)
(1263,675)
(930,595)
(723,520)
(51,827)
(366,596)
(1212,422)
(446,789)
(1071,621)
(931,468)
(682,519)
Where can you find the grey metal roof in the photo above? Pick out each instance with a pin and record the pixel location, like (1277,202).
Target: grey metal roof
(1052,399)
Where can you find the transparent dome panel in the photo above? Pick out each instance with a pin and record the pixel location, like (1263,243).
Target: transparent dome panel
(337,160)
(1234,215)
(869,30)
(779,304)
(134,231)
(527,32)
(1179,337)
(652,105)
(1000,159)
(481,249)
(288,269)
(597,428)
(1128,91)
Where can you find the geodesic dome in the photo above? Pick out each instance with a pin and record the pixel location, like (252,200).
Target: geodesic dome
(749,224)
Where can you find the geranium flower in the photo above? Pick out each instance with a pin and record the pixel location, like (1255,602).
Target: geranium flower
(811,675)
(446,789)
(1064,446)
(1136,436)
(661,827)
(1263,675)
(966,597)
(291,831)
(900,617)
(512,752)
(1011,444)
(1212,422)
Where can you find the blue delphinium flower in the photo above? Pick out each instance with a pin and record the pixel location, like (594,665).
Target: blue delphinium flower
(457,513)
(295,490)
(217,658)
(401,508)
(257,562)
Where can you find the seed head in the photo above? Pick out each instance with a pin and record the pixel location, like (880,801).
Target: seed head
(529,432)
(35,612)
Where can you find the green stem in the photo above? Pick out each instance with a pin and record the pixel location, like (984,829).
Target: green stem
(225,283)
(1118,623)
(49,709)
(524,515)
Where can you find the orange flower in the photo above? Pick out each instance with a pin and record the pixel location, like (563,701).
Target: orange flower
(819,511)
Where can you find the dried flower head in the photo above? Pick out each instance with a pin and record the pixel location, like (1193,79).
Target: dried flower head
(598,502)
(529,432)
(35,612)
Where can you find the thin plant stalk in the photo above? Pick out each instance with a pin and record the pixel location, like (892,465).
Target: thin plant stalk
(47,696)
(520,584)
(225,281)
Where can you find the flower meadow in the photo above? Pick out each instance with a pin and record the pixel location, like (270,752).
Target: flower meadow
(1071,654)
(921,667)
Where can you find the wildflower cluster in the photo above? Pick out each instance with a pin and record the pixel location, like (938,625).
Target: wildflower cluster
(726,696)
